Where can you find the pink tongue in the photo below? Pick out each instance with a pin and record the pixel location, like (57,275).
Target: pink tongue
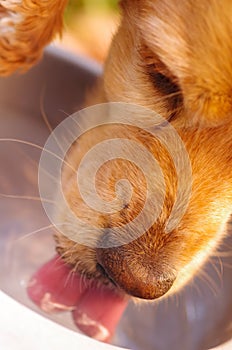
(96,310)
(54,288)
(98,313)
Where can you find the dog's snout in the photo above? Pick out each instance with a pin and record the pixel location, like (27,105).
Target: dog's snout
(134,274)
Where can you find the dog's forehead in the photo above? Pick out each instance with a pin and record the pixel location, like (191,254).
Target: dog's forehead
(188,21)
(182,26)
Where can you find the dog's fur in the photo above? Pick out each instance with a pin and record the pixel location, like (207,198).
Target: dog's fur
(174,57)
(26,26)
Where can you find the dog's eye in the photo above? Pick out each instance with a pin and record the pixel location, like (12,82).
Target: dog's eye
(160,76)
(168,87)
(169,90)
(164,82)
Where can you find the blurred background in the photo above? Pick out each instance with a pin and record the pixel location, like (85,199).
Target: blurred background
(89,27)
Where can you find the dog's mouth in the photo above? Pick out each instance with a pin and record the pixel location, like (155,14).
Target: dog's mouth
(96,301)
(105,276)
(96,307)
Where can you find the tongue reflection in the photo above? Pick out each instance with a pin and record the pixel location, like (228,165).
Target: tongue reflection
(96,310)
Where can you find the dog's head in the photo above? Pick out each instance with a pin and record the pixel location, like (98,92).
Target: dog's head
(174,57)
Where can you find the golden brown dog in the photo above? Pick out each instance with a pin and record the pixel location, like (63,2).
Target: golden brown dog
(175,58)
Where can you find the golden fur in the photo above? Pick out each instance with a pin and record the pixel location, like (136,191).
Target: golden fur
(26,26)
(174,57)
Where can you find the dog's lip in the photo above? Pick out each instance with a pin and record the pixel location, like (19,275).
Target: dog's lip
(105,276)
(96,309)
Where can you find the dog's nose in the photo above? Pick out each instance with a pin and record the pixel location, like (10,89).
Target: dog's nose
(137,275)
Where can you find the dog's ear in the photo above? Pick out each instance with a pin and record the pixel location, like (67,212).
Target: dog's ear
(25,28)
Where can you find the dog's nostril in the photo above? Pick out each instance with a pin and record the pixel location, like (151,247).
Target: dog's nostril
(137,278)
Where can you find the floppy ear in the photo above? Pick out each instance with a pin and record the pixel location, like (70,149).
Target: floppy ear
(26,26)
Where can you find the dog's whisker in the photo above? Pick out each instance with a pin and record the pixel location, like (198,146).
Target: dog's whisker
(37,147)
(65,113)
(32,198)
(196,287)
(46,121)
(222,254)
(212,285)
(44,228)
(27,235)
(69,277)
(67,255)
(83,282)
(227,265)
(50,176)
(42,110)
(26,156)
(36,164)
(217,266)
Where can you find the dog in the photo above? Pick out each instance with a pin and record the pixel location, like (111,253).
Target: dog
(158,61)
(173,58)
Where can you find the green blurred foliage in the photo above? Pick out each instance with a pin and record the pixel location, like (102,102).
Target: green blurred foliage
(86,6)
